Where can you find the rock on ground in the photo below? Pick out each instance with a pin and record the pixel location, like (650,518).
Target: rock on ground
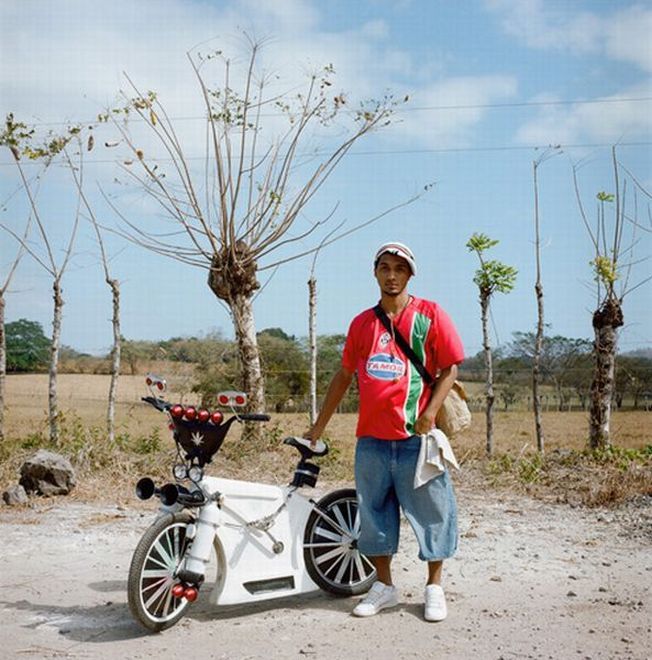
(47,473)
(15,495)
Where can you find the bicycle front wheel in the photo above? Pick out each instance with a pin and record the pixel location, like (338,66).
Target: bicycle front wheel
(330,546)
(153,570)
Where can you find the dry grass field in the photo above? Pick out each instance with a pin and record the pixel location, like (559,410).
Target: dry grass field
(145,444)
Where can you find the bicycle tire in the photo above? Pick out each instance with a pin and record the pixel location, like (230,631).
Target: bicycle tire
(152,573)
(330,548)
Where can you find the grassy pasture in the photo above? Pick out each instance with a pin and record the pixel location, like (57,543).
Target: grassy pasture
(146,446)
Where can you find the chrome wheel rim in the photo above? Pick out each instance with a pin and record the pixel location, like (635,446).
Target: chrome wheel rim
(158,574)
(333,545)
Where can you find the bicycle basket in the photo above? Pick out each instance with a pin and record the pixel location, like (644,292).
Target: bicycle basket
(200,440)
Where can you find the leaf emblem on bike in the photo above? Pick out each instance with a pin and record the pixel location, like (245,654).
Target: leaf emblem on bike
(197,438)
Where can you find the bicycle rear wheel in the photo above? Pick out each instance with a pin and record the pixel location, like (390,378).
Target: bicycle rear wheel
(330,546)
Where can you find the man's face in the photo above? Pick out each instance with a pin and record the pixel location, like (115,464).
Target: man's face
(392,274)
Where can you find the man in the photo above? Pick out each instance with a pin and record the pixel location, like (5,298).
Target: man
(396,408)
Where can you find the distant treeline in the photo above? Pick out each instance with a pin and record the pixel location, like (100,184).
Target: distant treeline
(566,367)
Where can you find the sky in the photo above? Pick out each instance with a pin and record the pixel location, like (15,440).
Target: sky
(492,85)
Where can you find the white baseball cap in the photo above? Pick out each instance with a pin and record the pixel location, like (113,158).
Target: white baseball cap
(398,249)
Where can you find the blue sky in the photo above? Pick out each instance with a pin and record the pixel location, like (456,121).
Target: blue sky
(489,81)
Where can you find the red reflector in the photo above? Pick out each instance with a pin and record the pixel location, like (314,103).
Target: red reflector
(240,400)
(190,594)
(190,413)
(159,385)
(178,590)
(203,415)
(217,417)
(148,381)
(224,400)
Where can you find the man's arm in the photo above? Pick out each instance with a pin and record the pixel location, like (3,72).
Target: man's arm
(441,389)
(336,390)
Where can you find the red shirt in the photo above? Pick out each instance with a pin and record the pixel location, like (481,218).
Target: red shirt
(392,393)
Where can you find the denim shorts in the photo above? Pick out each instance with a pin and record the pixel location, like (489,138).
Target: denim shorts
(384,476)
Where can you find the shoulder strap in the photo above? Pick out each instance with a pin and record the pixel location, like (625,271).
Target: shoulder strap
(404,346)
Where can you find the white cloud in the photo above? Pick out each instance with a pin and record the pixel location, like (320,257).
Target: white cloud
(602,122)
(446,128)
(65,61)
(623,35)
(628,37)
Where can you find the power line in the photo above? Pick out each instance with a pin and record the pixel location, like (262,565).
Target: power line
(390,152)
(424,108)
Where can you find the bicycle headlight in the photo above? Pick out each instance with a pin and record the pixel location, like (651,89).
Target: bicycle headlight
(195,473)
(179,471)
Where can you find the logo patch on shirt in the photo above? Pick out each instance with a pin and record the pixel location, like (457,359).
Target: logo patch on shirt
(385,367)
(385,338)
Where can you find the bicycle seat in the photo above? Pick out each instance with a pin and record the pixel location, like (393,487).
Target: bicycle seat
(305,449)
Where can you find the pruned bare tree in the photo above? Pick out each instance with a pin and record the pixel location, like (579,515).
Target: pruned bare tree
(492,276)
(239,217)
(538,290)
(312,328)
(19,139)
(113,284)
(611,274)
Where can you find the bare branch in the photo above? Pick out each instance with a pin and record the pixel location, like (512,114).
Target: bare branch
(638,184)
(19,256)
(23,243)
(636,286)
(594,240)
(321,245)
(362,225)
(52,269)
(309,231)
(73,233)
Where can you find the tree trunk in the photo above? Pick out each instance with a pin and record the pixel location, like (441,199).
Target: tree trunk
(115,360)
(232,278)
(312,332)
(560,395)
(538,343)
(3,366)
(252,376)
(536,369)
(605,322)
(53,411)
(489,394)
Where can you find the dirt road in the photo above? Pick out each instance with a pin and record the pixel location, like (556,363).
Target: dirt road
(531,580)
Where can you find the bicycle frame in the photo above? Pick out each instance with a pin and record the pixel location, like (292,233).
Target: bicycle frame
(257,531)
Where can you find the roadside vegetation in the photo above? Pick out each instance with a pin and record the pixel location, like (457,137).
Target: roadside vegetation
(197,367)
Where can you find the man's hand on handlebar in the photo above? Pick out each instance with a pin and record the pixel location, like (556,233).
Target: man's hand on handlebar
(313,434)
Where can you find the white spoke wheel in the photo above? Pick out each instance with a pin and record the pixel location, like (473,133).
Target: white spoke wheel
(330,546)
(152,573)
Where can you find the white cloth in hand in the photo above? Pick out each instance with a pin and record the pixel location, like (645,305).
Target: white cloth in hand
(435,456)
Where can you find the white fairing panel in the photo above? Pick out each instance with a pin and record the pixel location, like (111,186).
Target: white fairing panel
(253,570)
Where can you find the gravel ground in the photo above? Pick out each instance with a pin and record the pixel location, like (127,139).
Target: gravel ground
(530,580)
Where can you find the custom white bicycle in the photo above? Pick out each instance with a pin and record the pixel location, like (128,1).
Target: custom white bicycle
(268,541)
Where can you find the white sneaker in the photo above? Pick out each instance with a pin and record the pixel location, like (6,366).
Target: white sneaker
(379,597)
(435,609)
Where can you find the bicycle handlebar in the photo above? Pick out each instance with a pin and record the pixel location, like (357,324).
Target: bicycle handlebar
(159,404)
(254,417)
